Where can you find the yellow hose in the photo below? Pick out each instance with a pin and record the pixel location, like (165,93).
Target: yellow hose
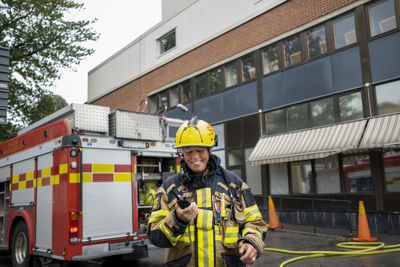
(359,248)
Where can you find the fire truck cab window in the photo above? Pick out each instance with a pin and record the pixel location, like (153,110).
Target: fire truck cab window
(357,173)
(391,161)
(327,175)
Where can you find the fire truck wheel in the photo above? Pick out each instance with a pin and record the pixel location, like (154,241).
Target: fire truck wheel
(20,246)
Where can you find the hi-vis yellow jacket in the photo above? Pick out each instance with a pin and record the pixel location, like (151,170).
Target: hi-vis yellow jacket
(228,215)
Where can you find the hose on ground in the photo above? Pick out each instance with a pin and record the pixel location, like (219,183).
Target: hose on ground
(358,249)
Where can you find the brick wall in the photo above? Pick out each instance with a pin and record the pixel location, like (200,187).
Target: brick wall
(275,22)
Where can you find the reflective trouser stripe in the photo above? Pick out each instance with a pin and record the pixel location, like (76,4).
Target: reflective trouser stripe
(205,247)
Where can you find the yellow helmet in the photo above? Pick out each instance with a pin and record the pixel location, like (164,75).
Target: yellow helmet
(195,133)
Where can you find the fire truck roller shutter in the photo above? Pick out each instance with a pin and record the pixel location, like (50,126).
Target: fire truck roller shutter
(22,182)
(107,193)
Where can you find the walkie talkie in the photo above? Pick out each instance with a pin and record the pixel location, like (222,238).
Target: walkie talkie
(182,201)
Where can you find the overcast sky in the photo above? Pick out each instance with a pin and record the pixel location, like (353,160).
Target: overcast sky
(119,23)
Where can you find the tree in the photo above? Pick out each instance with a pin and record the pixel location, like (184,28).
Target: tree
(42,42)
(48,104)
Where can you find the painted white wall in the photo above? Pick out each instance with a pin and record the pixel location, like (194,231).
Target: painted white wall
(199,22)
(170,7)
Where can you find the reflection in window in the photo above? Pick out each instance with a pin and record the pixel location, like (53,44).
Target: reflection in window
(270,59)
(388,97)
(249,68)
(153,104)
(391,161)
(215,80)
(292,50)
(163,101)
(322,112)
(275,121)
(167,42)
(357,173)
(382,17)
(351,107)
(316,41)
(278,176)
(327,175)
(297,117)
(235,157)
(253,174)
(186,92)
(231,74)
(344,31)
(301,177)
(201,86)
(174,96)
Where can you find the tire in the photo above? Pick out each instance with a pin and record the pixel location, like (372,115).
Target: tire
(20,256)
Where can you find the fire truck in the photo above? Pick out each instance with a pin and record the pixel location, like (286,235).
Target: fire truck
(73,185)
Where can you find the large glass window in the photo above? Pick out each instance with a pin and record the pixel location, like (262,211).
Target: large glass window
(357,173)
(167,42)
(153,104)
(301,177)
(351,107)
(391,161)
(215,80)
(388,97)
(327,175)
(253,174)
(174,96)
(322,112)
(235,157)
(344,31)
(231,74)
(382,17)
(316,41)
(186,92)
(270,59)
(275,121)
(201,86)
(292,50)
(278,176)
(163,101)
(297,117)
(249,68)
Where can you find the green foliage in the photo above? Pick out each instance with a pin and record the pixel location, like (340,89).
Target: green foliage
(42,41)
(46,105)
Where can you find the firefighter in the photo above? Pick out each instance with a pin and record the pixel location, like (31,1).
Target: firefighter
(205,215)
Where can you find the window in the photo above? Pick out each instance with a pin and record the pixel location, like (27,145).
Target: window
(275,121)
(279,181)
(253,174)
(322,112)
(153,104)
(201,86)
(167,42)
(391,161)
(327,175)
(215,80)
(344,30)
(357,173)
(186,92)
(316,41)
(301,177)
(249,68)
(292,50)
(382,17)
(351,107)
(388,97)
(163,101)
(231,74)
(174,96)
(270,59)
(297,117)
(235,157)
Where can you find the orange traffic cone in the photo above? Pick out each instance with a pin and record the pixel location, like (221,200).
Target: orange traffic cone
(363,228)
(273,219)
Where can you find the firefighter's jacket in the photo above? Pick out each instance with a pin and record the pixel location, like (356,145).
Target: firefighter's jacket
(228,215)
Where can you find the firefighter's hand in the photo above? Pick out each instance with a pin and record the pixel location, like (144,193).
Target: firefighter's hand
(188,214)
(248,252)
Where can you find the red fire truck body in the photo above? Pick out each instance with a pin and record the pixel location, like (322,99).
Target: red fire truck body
(69,190)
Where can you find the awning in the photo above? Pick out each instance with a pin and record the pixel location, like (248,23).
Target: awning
(308,144)
(382,132)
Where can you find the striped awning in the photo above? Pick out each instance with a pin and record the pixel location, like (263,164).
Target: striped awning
(382,132)
(308,144)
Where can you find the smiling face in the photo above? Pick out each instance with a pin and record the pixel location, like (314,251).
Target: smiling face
(196,158)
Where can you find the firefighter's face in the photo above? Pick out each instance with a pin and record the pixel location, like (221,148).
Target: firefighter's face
(196,158)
